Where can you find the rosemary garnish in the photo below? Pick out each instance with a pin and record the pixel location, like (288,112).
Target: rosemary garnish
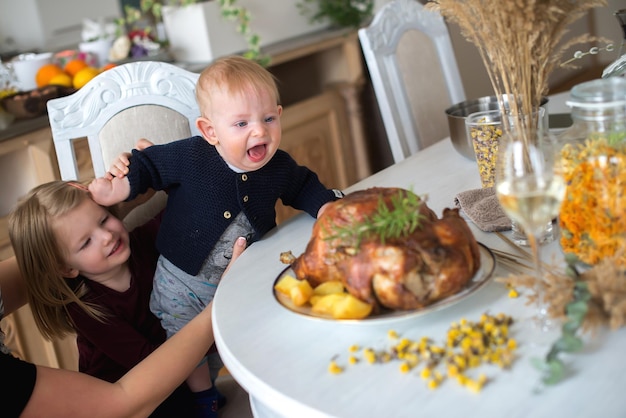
(398,219)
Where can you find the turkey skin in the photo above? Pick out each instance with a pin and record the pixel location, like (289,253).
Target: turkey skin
(404,271)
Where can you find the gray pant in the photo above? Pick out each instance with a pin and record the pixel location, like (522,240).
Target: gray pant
(177,297)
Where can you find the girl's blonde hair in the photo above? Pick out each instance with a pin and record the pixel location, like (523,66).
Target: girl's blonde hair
(41,258)
(234,74)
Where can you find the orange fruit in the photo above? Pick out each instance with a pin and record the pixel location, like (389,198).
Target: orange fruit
(74,66)
(45,74)
(108,66)
(84,76)
(62,79)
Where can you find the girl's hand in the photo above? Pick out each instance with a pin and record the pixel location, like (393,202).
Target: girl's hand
(107,192)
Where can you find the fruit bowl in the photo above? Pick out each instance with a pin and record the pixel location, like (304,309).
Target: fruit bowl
(32,103)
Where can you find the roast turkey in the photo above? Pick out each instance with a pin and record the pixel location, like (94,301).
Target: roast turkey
(409,269)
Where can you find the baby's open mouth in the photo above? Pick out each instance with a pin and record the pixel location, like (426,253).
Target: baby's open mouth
(257,153)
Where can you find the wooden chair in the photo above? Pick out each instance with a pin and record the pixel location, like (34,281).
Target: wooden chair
(414,73)
(145,99)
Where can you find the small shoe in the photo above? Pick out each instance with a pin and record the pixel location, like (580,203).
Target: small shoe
(221,400)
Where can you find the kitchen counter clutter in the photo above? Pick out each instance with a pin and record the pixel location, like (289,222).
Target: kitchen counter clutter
(23,126)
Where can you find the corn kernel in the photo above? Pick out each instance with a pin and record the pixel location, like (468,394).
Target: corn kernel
(334,368)
(433,384)
(403,344)
(369,355)
(426,373)
(473,385)
(474,361)
(513,294)
(405,367)
(354,348)
(353,360)
(392,334)
(482,379)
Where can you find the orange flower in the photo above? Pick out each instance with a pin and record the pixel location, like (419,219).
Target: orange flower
(593,214)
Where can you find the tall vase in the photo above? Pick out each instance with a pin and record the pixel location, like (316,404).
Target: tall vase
(530,128)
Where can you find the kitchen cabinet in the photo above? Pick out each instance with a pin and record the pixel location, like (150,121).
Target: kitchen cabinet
(312,134)
(25,161)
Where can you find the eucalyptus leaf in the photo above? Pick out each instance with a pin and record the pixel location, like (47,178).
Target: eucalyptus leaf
(577,310)
(569,344)
(571,326)
(555,373)
(539,364)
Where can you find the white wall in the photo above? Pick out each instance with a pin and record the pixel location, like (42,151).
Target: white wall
(49,25)
(600,22)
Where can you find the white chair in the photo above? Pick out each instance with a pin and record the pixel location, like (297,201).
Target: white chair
(414,73)
(145,99)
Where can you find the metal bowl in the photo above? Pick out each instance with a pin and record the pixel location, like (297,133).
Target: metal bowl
(456,121)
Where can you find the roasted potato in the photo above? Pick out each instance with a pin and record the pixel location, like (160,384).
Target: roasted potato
(341,306)
(299,291)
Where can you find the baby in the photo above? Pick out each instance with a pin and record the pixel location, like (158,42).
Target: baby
(222,185)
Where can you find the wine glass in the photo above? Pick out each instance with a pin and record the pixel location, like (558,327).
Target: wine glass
(530,189)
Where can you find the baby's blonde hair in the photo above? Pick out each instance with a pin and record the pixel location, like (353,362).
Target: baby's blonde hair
(40,256)
(234,75)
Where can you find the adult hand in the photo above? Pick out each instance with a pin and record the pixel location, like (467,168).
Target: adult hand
(238,248)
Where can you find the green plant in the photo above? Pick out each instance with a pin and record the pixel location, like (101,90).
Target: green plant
(230,11)
(343,13)
(552,367)
(397,219)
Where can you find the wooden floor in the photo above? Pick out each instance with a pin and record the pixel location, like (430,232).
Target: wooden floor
(237,400)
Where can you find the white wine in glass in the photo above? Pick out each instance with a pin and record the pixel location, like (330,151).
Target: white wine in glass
(530,189)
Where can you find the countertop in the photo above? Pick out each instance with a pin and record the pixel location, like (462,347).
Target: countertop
(23,126)
(279,52)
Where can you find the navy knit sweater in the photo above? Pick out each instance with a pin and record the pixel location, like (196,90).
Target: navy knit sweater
(205,195)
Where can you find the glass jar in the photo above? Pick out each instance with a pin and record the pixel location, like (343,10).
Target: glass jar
(593,156)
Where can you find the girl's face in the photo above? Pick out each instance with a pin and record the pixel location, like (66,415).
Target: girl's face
(95,242)
(244,128)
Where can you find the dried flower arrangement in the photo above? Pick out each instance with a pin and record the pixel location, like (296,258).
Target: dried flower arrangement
(518,41)
(582,301)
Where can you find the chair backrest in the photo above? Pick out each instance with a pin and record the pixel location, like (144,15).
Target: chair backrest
(414,73)
(144,99)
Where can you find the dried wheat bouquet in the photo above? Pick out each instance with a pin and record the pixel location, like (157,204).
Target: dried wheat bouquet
(518,41)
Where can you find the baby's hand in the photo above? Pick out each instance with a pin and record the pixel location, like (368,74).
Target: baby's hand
(143,143)
(108,192)
(119,168)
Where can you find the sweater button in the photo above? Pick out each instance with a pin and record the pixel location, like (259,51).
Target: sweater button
(227,215)
(245,198)
(244,177)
